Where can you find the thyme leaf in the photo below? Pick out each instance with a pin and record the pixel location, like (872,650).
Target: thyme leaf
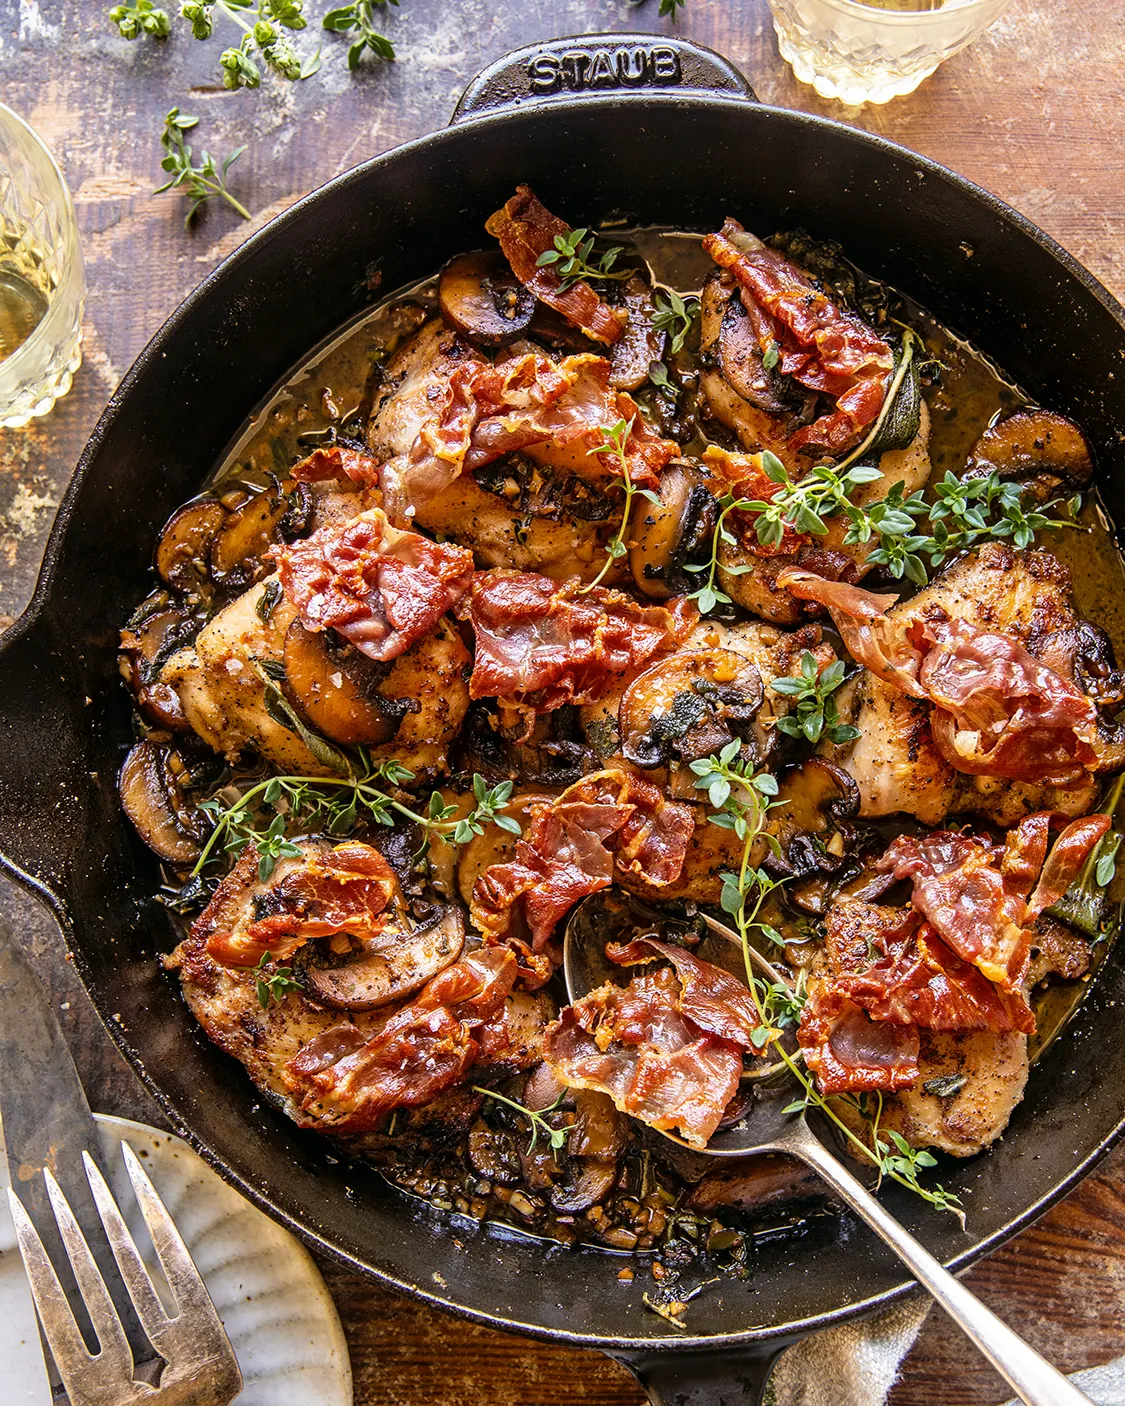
(615,442)
(816,714)
(674,315)
(274,986)
(555,1136)
(570,259)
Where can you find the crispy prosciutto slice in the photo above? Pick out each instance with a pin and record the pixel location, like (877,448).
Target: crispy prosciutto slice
(819,344)
(485,411)
(337,462)
(526,229)
(998,711)
(982,898)
(348,1080)
(887,976)
(344,889)
(667,1048)
(569,850)
(540,645)
(848,1052)
(382,589)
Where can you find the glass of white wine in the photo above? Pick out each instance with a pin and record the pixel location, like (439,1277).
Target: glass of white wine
(42,281)
(869,51)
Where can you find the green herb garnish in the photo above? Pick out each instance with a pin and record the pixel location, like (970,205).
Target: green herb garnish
(273,986)
(555,1136)
(334,804)
(816,714)
(675,316)
(615,441)
(570,259)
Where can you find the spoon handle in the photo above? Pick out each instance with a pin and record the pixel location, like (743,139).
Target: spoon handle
(1030,1376)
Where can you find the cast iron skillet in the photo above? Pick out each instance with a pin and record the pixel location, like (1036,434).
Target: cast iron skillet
(673,136)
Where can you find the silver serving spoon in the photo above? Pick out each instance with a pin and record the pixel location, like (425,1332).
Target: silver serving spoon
(768,1128)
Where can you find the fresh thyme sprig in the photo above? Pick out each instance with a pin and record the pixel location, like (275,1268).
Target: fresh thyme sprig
(202,182)
(892,1155)
(359,20)
(708,596)
(674,315)
(556,1136)
(668,8)
(816,714)
(273,986)
(140,17)
(570,259)
(334,804)
(741,800)
(615,441)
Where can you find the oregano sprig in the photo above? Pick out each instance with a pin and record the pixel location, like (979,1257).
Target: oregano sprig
(201,182)
(358,21)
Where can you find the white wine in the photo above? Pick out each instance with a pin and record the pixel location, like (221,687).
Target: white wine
(23,306)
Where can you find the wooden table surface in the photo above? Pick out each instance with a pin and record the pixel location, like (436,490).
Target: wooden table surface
(1035,111)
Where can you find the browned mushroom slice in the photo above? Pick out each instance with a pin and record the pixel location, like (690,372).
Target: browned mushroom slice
(335,687)
(157,629)
(640,344)
(480,296)
(740,359)
(393,964)
(669,534)
(688,706)
(1031,442)
(183,554)
(250,530)
(154,802)
(814,833)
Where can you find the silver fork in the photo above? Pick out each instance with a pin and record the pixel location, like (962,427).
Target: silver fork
(200,1368)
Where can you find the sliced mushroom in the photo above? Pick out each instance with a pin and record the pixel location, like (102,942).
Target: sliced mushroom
(334,685)
(237,551)
(1033,442)
(481,297)
(640,344)
(154,802)
(756,1184)
(492,1151)
(814,833)
(391,965)
(688,706)
(183,554)
(156,631)
(740,360)
(669,535)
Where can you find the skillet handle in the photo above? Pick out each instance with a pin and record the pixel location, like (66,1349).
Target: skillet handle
(599,64)
(735,1378)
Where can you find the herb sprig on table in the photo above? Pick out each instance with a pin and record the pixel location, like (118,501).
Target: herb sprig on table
(200,182)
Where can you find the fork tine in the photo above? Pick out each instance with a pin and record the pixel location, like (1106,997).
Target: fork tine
(179,1268)
(145,1299)
(103,1313)
(65,1341)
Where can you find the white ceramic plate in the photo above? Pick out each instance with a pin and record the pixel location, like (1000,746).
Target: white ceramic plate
(269,1293)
